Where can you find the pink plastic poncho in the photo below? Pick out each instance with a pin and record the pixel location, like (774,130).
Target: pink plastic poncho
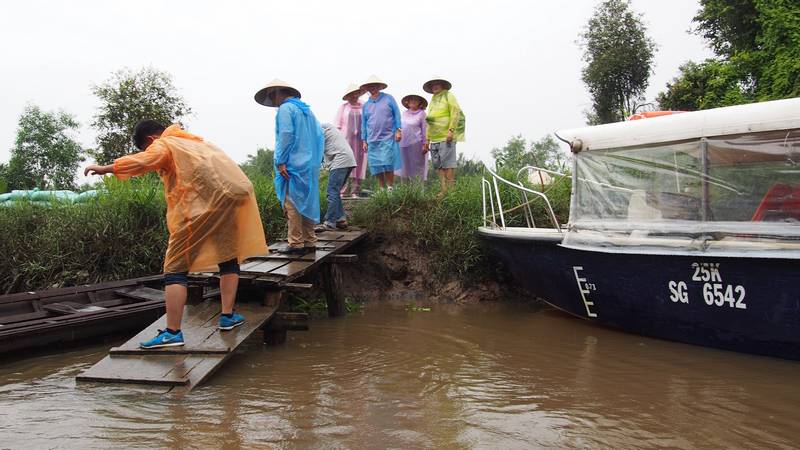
(348,122)
(415,161)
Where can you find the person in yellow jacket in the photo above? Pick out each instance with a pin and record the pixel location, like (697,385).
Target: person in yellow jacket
(445,122)
(212,216)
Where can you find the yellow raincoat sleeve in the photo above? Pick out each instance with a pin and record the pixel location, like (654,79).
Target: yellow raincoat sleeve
(155,158)
(454,111)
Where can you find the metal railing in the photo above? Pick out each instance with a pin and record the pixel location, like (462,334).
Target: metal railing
(491,190)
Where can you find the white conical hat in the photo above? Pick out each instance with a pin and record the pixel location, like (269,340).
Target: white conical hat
(352,87)
(422,102)
(427,86)
(262,96)
(374,80)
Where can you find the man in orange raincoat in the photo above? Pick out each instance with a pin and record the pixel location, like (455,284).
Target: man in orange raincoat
(212,216)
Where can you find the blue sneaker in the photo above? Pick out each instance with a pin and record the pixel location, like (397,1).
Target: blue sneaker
(164,339)
(229,323)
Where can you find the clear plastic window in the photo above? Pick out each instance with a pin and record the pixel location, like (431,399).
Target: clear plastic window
(737,192)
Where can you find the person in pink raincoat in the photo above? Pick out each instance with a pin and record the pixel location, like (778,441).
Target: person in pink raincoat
(415,156)
(348,122)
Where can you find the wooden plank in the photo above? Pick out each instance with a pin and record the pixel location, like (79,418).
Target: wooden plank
(294,268)
(139,369)
(265,266)
(169,351)
(269,280)
(329,235)
(343,258)
(181,367)
(200,330)
(194,318)
(298,285)
(141,293)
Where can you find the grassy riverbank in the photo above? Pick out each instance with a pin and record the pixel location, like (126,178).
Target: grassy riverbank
(123,233)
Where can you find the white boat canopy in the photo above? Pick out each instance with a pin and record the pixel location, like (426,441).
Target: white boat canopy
(732,120)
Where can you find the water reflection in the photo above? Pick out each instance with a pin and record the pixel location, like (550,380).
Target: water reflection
(490,376)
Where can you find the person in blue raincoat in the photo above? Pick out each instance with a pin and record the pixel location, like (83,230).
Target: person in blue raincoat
(299,145)
(381,129)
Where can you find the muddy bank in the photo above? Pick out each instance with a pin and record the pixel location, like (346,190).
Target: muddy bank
(389,269)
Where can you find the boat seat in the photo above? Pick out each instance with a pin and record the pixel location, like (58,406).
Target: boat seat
(71,308)
(780,203)
(24,317)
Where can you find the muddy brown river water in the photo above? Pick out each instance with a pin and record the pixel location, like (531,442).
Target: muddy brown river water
(486,376)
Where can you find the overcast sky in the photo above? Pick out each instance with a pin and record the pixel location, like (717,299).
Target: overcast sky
(515,65)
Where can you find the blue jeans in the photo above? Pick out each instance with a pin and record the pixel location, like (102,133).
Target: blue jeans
(336,179)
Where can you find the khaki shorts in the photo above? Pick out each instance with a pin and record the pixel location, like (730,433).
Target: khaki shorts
(443,155)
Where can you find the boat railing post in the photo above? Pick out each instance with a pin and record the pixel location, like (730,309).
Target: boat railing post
(483,199)
(704,205)
(527,204)
(491,220)
(499,203)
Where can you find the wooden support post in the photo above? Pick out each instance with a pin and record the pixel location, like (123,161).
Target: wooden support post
(281,322)
(194,294)
(274,337)
(274,297)
(331,284)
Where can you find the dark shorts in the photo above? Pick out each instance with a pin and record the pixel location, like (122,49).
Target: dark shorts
(182,278)
(443,155)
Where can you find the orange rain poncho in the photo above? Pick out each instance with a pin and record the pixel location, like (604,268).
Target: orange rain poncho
(212,213)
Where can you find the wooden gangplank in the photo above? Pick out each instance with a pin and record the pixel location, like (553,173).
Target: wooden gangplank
(276,269)
(180,369)
(206,349)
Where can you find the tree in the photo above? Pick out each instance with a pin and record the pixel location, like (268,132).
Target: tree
(729,26)
(3,178)
(128,97)
(260,164)
(757,44)
(619,60)
(709,84)
(544,153)
(468,166)
(45,155)
(513,155)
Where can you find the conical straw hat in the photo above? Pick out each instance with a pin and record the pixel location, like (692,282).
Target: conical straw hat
(374,80)
(262,96)
(427,86)
(422,102)
(352,87)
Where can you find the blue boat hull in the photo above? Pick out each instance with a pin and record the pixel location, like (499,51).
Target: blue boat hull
(749,305)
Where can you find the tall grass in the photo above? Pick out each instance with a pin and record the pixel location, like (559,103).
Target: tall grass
(121,234)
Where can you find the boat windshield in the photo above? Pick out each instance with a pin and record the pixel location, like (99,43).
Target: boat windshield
(737,193)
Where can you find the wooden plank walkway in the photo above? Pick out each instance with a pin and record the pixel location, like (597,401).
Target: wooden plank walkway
(206,349)
(182,368)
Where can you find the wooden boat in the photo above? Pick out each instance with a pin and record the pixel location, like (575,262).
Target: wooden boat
(57,316)
(684,227)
